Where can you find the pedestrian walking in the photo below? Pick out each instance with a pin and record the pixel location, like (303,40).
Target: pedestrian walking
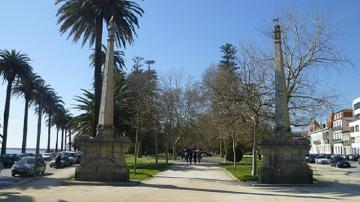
(1,166)
(195,156)
(199,156)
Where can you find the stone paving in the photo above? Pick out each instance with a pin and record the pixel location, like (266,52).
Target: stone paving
(206,182)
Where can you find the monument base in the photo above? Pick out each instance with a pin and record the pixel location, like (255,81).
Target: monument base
(103,159)
(284,162)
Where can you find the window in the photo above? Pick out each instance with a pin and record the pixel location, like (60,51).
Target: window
(352,129)
(357,106)
(357,128)
(357,117)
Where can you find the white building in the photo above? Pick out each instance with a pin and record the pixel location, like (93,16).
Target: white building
(321,141)
(354,127)
(341,131)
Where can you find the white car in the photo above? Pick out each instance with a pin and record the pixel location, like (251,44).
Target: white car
(322,160)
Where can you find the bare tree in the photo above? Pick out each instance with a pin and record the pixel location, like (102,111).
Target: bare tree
(309,44)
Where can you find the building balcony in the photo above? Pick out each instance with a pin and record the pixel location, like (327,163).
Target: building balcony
(317,142)
(337,141)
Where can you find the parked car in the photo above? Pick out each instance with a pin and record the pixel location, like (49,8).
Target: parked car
(28,166)
(322,160)
(79,155)
(70,155)
(47,156)
(8,160)
(63,161)
(354,157)
(339,162)
(310,159)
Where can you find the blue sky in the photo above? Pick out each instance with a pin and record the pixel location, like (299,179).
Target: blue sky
(182,34)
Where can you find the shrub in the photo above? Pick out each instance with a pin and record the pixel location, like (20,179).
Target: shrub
(230,154)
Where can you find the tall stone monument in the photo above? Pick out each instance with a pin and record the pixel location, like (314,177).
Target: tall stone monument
(103,158)
(284,156)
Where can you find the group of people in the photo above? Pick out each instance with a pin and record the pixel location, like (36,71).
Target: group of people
(191,156)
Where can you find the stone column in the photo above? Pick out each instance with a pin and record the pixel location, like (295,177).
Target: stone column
(282,121)
(103,158)
(284,156)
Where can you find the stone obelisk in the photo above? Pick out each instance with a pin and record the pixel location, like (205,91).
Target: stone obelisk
(282,121)
(103,158)
(284,156)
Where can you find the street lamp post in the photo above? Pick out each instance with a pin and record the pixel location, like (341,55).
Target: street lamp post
(253,169)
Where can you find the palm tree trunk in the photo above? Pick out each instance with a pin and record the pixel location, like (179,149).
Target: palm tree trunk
(23,146)
(57,139)
(69,140)
(49,132)
(65,140)
(97,72)
(38,133)
(6,116)
(62,139)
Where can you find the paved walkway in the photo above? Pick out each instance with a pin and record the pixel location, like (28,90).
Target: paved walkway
(186,183)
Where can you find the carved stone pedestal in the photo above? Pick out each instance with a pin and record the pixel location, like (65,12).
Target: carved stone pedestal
(284,162)
(103,159)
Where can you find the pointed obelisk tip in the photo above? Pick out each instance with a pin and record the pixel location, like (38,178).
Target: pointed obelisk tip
(277,35)
(111,27)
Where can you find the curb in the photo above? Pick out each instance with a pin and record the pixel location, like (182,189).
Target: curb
(131,183)
(317,184)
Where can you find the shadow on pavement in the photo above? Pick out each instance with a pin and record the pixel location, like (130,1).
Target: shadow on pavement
(15,196)
(173,187)
(335,188)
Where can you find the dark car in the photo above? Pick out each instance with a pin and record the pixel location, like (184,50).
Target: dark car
(339,162)
(311,158)
(63,161)
(28,166)
(8,160)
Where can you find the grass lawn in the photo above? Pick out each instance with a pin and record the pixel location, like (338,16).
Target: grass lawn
(146,167)
(242,171)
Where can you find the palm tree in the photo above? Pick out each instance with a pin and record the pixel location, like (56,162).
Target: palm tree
(84,19)
(54,102)
(119,61)
(58,121)
(81,124)
(43,94)
(14,66)
(27,87)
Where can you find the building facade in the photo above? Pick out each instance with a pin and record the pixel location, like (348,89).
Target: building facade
(341,132)
(321,137)
(355,127)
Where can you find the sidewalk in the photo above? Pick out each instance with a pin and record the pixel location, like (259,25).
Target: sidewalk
(186,183)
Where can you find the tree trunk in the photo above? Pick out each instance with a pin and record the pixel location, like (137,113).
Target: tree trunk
(225,150)
(136,147)
(234,151)
(221,151)
(97,73)
(69,140)
(57,139)
(253,168)
(173,152)
(166,153)
(156,150)
(26,111)
(38,135)
(49,133)
(65,140)
(62,139)
(6,116)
